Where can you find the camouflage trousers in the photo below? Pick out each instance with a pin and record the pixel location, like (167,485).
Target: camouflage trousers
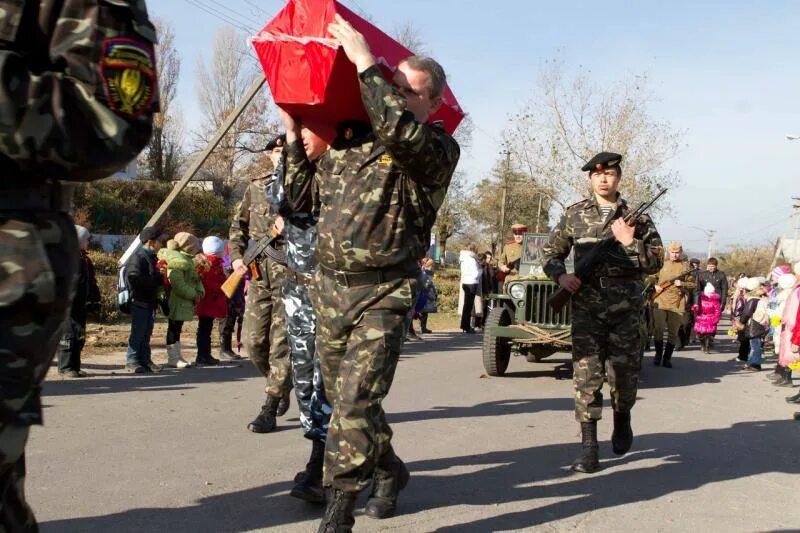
(301,331)
(666,319)
(606,330)
(359,334)
(38,262)
(264,328)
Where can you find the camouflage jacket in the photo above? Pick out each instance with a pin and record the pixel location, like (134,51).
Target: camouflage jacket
(380,185)
(253,218)
(79,88)
(299,229)
(582,226)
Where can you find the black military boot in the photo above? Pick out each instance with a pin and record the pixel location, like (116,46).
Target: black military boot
(308,483)
(265,421)
(286,401)
(785,379)
(622,437)
(668,349)
(387,484)
(338,516)
(659,353)
(589,461)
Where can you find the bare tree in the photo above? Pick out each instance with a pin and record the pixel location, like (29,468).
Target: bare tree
(220,87)
(162,156)
(407,34)
(568,121)
(452,215)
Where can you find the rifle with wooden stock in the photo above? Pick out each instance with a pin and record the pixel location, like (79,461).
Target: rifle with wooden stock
(251,257)
(652,293)
(586,266)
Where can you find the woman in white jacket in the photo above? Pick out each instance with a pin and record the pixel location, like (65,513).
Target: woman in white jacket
(470,279)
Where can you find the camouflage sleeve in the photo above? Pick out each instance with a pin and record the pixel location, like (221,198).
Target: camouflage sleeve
(689,281)
(298,182)
(239,234)
(647,246)
(556,250)
(426,154)
(81,105)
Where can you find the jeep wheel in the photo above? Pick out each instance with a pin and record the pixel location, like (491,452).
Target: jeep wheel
(496,350)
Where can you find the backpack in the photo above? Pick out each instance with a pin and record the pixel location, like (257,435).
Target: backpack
(123,291)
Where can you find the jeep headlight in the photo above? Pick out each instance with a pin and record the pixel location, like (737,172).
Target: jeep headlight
(517,291)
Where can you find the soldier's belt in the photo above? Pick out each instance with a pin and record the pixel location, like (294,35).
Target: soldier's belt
(299,277)
(370,277)
(603,282)
(48,197)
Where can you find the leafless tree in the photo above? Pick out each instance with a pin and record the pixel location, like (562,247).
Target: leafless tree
(568,121)
(221,86)
(407,34)
(162,156)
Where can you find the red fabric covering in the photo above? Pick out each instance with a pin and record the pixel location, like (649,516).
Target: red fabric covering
(214,302)
(311,78)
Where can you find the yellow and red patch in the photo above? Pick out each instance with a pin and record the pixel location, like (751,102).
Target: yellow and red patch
(128,71)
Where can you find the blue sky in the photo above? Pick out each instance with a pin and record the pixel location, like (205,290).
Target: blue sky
(726,73)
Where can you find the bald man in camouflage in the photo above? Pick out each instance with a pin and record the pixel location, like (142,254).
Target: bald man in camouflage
(380,187)
(77,99)
(607,311)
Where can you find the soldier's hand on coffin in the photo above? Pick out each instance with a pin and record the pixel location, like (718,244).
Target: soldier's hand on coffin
(239,267)
(623,232)
(290,125)
(353,43)
(570,282)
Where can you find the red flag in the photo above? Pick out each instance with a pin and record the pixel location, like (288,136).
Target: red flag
(311,77)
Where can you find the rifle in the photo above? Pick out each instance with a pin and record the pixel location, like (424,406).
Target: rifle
(651,292)
(585,267)
(251,256)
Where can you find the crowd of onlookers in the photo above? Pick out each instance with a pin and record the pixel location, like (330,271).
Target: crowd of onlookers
(183,277)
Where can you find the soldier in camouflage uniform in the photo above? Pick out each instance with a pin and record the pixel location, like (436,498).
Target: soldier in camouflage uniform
(77,98)
(264,327)
(380,186)
(300,232)
(607,310)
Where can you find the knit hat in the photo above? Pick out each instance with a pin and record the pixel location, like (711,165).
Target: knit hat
(187,242)
(741,283)
(83,235)
(213,246)
(751,284)
(779,271)
(708,290)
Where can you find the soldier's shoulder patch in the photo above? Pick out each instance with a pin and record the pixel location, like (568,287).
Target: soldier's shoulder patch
(128,73)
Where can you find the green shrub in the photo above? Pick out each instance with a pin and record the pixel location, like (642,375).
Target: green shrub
(108,298)
(104,264)
(122,207)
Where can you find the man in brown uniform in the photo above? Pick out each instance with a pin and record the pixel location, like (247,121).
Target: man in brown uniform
(670,303)
(264,328)
(508,262)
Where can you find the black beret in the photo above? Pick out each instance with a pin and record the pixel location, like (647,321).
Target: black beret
(277,142)
(601,160)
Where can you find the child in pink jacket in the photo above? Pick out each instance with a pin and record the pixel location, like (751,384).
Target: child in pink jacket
(707,314)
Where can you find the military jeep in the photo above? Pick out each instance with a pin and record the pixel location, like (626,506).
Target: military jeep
(520,322)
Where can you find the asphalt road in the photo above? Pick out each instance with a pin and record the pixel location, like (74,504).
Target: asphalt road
(716,449)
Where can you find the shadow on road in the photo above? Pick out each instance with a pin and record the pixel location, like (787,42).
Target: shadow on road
(491,409)
(686,461)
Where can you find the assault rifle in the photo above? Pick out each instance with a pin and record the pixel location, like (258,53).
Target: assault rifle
(585,267)
(652,293)
(251,256)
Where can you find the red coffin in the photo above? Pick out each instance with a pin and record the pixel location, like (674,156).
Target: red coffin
(311,77)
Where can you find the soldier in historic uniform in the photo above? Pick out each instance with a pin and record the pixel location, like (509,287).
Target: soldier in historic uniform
(77,98)
(508,262)
(380,186)
(300,232)
(670,304)
(606,310)
(264,327)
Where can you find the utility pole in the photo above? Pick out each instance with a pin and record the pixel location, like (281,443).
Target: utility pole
(711,235)
(506,176)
